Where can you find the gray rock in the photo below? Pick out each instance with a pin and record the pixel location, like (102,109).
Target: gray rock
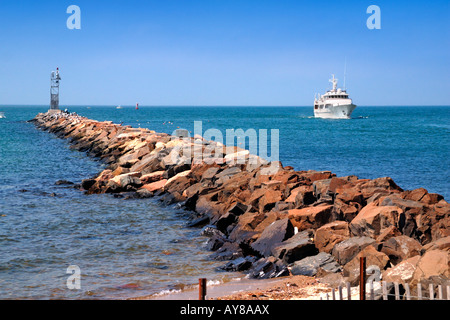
(272,236)
(309,266)
(295,248)
(346,250)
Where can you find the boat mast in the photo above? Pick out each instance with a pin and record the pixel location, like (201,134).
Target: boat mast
(345,72)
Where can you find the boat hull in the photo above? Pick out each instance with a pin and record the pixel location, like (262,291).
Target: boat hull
(335,112)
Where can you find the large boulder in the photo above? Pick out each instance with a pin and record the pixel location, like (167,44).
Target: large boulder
(440,244)
(402,272)
(400,248)
(311,265)
(434,263)
(266,268)
(346,250)
(328,235)
(296,247)
(272,236)
(374,260)
(310,217)
(372,219)
(268,200)
(154,186)
(383,185)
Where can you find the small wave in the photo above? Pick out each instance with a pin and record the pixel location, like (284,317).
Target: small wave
(166,292)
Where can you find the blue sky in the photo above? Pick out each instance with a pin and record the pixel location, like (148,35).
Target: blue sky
(225,52)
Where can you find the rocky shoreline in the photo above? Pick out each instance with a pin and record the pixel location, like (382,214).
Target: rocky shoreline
(264,219)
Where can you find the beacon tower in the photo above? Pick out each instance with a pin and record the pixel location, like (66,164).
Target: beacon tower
(54,90)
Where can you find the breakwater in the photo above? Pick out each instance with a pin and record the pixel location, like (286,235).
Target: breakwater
(265,219)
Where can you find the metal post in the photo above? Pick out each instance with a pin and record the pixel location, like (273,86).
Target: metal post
(202,289)
(362,278)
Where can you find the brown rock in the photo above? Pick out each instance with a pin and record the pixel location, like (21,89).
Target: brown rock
(330,234)
(268,200)
(440,244)
(154,186)
(415,195)
(310,217)
(346,250)
(245,227)
(402,272)
(372,219)
(369,188)
(401,248)
(349,195)
(152,177)
(344,211)
(432,263)
(387,233)
(373,258)
(338,184)
(431,198)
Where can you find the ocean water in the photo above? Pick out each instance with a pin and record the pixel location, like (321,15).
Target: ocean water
(129,248)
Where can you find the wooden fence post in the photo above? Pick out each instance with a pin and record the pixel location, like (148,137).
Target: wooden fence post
(340,293)
(431,291)
(397,291)
(202,288)
(385,293)
(419,291)
(441,292)
(362,278)
(407,291)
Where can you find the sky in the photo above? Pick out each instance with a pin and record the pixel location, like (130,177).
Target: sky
(224,52)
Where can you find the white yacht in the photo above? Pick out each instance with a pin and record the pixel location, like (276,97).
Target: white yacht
(334,104)
(2,115)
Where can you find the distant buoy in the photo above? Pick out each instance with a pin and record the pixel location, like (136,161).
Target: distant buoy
(137,106)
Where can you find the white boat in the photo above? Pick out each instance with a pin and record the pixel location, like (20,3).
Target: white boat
(119,107)
(334,104)
(2,115)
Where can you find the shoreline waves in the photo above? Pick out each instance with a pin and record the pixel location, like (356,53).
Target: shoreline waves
(266,220)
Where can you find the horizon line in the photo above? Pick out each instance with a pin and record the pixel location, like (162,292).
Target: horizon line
(208,106)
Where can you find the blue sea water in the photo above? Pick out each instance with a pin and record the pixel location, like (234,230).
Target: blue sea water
(127,248)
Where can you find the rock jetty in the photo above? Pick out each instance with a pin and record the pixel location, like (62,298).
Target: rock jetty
(265,219)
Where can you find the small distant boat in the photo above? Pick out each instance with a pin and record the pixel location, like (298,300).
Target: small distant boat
(2,115)
(119,107)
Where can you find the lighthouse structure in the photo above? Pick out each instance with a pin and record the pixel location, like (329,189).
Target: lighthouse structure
(54,91)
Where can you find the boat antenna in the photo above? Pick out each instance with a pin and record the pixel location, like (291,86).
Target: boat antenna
(345,71)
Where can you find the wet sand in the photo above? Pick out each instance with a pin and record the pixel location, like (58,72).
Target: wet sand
(284,288)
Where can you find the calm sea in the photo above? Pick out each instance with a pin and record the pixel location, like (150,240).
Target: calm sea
(128,248)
